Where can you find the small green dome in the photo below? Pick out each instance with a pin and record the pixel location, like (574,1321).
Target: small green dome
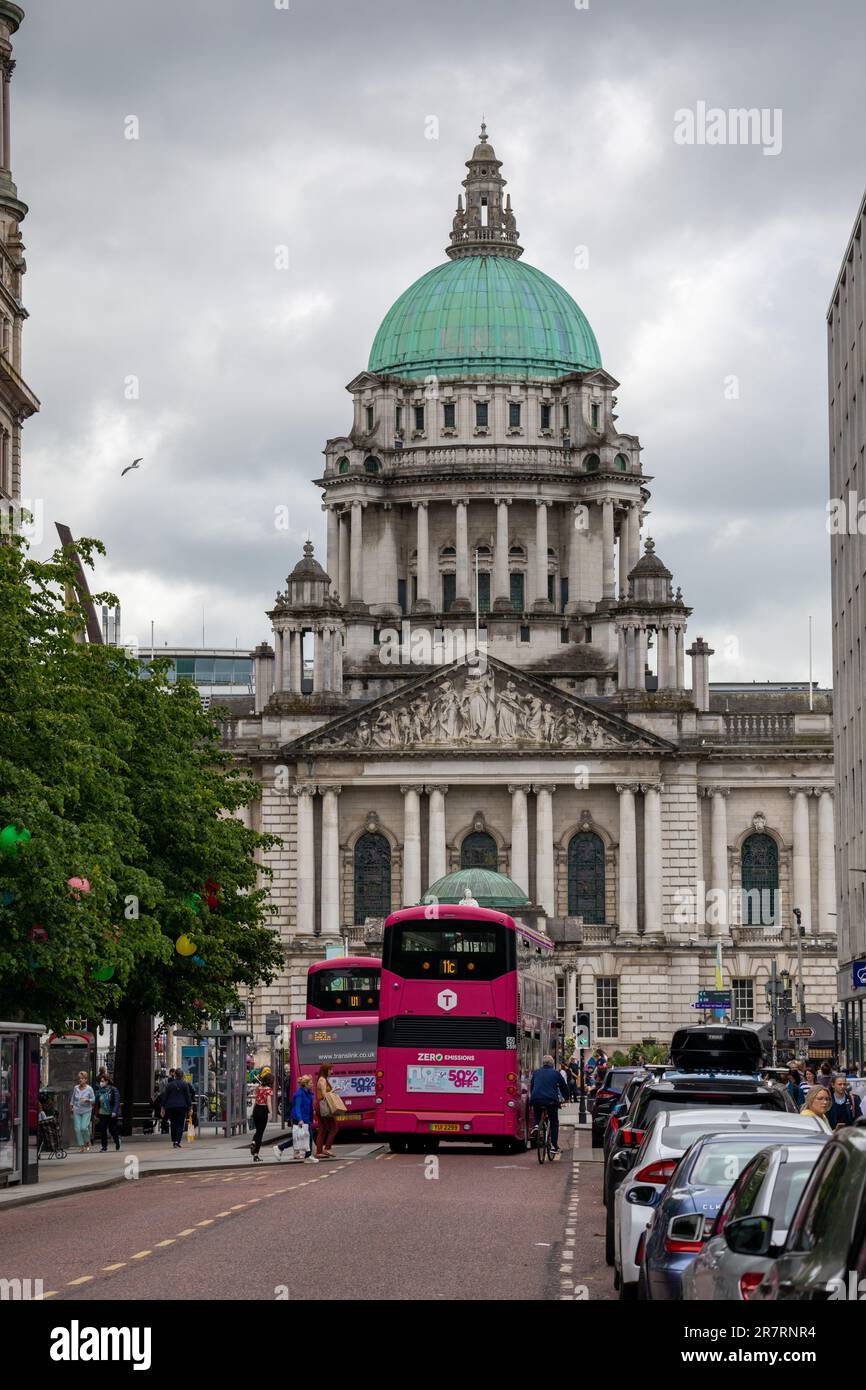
(486,316)
(488,888)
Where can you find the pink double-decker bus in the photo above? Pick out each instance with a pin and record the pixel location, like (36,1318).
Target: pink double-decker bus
(341,1028)
(467,1011)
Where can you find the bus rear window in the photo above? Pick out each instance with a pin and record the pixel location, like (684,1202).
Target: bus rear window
(344,991)
(449,950)
(318,1043)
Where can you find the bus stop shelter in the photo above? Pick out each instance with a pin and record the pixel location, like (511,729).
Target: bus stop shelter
(19,1102)
(215,1062)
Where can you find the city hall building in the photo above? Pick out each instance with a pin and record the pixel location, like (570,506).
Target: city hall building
(491,666)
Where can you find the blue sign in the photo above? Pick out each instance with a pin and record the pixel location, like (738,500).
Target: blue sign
(858,971)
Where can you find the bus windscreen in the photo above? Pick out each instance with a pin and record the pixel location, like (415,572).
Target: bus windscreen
(449,950)
(317,1044)
(344,991)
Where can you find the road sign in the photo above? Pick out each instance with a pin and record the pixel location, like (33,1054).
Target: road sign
(801,1032)
(713,999)
(858,971)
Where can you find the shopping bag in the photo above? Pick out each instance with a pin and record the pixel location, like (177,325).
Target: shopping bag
(300,1137)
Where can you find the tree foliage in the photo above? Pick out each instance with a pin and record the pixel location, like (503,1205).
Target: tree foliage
(121,781)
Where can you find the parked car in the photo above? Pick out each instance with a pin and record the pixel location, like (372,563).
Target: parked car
(770,1185)
(618,1111)
(671,1091)
(671,1135)
(612,1088)
(686,1211)
(824,1255)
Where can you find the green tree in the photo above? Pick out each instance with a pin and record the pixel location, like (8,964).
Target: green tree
(120,781)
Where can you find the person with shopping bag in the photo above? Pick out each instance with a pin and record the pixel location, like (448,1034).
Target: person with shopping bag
(301,1118)
(329,1105)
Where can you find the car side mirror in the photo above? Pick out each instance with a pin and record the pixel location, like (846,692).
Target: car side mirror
(644,1196)
(751,1235)
(621,1162)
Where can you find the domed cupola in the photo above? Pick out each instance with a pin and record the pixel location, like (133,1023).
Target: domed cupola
(650,611)
(484,313)
(307,613)
(308,586)
(650,580)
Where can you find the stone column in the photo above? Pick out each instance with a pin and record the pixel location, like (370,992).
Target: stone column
(719,908)
(570,998)
(422,602)
(700,653)
(389,570)
(675,678)
(333,563)
(631,656)
(519,838)
(801,886)
(437,865)
(411,845)
(652,858)
(622,658)
(608,571)
(306,871)
(544,875)
(8,68)
(330,860)
(318,640)
(356,561)
(826,864)
(264,667)
(297,660)
(577,516)
(627,875)
(633,536)
(623,554)
(662,655)
(279,664)
(681,658)
(337,662)
(343,557)
(461,602)
(542,603)
(327,658)
(501,581)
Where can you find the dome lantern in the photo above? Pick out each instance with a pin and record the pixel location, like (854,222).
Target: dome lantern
(486,227)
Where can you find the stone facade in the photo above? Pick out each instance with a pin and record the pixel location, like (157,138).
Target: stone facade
(554,731)
(846,346)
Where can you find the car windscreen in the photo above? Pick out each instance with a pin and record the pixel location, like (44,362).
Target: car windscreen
(791,1180)
(648,1108)
(617,1079)
(719,1164)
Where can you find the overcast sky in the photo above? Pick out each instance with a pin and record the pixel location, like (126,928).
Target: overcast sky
(262,126)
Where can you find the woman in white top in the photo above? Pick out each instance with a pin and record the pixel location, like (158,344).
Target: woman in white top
(81,1104)
(818,1102)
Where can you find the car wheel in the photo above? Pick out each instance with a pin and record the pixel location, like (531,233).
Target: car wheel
(627,1292)
(397,1146)
(609,1246)
(597,1140)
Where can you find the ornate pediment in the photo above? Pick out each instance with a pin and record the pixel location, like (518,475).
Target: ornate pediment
(492,706)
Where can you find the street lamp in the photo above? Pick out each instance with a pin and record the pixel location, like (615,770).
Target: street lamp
(801,993)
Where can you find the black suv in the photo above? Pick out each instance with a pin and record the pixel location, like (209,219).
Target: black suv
(613,1086)
(713,1065)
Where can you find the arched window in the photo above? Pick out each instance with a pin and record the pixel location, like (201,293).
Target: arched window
(343,465)
(620,463)
(371,465)
(586,876)
(759,862)
(479,851)
(592,463)
(372,877)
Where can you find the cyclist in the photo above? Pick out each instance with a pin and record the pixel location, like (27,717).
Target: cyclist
(547,1088)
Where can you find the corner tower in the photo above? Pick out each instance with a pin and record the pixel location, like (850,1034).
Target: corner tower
(17,401)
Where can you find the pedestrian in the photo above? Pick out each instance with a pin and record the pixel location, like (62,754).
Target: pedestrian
(546,1091)
(81,1103)
(844,1105)
(818,1102)
(854,1071)
(301,1118)
(795,1088)
(810,1077)
(108,1112)
(175,1105)
(328,1104)
(573,1080)
(261,1111)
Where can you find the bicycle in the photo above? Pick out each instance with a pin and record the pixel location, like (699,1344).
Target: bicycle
(543,1140)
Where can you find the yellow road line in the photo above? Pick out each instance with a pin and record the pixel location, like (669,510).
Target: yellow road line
(141,1254)
(190,1231)
(161,1243)
(209,1222)
(223,1213)
(239,1206)
(120,1264)
(85,1279)
(52,1293)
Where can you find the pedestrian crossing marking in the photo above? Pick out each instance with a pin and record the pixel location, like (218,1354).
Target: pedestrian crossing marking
(85,1279)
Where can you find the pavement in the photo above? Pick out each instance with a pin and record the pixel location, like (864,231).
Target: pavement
(147,1155)
(461,1224)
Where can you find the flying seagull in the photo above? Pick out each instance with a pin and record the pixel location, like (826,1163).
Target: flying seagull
(134,464)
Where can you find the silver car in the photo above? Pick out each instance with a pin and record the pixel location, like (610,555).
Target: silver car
(770,1185)
(670,1133)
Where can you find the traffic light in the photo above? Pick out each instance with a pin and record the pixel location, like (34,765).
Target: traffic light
(582,1028)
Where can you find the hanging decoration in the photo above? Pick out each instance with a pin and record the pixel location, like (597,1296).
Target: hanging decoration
(193,901)
(11,838)
(103,973)
(184,946)
(212,891)
(78,886)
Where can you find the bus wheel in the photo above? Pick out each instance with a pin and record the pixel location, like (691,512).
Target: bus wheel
(398,1146)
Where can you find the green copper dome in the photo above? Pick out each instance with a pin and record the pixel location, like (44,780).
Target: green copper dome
(489,889)
(484,316)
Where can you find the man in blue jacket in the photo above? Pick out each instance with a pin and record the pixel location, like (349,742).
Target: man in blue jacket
(548,1088)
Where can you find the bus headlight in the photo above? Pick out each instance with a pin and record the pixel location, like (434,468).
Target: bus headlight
(512,1076)
(467,1126)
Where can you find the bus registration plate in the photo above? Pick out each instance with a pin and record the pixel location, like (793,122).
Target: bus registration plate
(445,1129)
